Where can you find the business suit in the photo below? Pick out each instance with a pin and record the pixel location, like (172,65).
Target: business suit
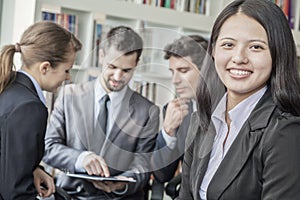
(23,119)
(165,160)
(71,131)
(262,163)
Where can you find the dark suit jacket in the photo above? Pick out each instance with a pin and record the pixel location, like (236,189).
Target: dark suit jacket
(165,160)
(262,163)
(71,131)
(23,119)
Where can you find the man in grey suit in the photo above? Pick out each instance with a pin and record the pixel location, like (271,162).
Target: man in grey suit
(185,59)
(76,141)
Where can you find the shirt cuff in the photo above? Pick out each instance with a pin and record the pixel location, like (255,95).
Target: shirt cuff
(81,157)
(170,141)
(118,192)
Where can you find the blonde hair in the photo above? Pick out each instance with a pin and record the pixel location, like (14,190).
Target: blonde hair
(42,41)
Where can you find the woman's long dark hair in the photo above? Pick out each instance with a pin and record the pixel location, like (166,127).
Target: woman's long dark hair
(284,81)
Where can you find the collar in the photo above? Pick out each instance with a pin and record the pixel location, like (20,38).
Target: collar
(240,113)
(115,97)
(244,108)
(194,104)
(36,85)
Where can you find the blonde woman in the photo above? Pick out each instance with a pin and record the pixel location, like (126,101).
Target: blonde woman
(47,52)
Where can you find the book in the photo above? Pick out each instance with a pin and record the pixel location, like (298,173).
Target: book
(292,14)
(99,178)
(67,21)
(97,42)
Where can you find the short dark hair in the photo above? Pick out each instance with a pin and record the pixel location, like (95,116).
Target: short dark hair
(192,45)
(125,40)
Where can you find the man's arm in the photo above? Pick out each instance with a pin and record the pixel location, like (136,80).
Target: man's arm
(167,154)
(140,166)
(57,153)
(164,160)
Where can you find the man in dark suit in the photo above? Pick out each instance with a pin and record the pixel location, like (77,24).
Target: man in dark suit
(185,58)
(76,141)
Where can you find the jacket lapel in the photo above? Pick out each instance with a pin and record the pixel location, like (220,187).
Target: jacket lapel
(206,143)
(242,147)
(202,148)
(84,121)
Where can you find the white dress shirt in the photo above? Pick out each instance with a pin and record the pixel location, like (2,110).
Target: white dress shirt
(113,108)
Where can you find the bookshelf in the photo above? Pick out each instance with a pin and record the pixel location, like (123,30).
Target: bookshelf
(120,12)
(128,12)
(120,9)
(162,25)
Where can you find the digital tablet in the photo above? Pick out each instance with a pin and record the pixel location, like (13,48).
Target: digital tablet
(100,178)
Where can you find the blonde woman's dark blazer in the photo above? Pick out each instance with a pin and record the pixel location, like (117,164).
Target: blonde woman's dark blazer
(262,163)
(23,119)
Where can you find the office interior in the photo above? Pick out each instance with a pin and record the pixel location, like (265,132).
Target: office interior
(157,24)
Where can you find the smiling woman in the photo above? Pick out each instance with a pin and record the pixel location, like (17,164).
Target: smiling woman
(242,58)
(247,141)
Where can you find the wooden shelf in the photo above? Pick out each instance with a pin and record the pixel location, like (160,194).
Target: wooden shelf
(133,11)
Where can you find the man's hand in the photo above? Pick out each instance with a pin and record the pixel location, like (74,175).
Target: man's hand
(177,109)
(109,186)
(95,165)
(42,178)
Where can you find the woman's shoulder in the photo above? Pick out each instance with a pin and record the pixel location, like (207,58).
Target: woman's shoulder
(17,96)
(283,126)
(281,117)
